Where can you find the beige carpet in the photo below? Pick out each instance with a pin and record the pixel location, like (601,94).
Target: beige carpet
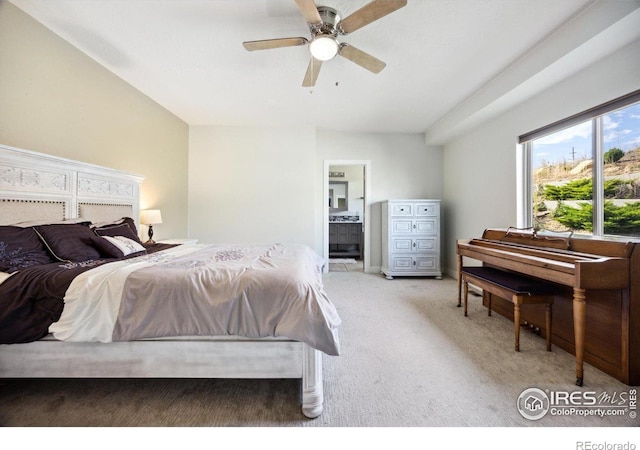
(409,359)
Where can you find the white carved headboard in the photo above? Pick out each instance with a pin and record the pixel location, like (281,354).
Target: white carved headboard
(36,186)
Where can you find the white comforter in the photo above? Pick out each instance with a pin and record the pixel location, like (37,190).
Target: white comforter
(204,290)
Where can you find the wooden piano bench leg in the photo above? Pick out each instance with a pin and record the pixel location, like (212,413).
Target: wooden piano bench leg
(520,300)
(547,318)
(459,280)
(466,296)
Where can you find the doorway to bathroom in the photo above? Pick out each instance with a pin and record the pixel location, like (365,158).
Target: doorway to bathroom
(346,215)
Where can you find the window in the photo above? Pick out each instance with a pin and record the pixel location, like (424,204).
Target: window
(584,172)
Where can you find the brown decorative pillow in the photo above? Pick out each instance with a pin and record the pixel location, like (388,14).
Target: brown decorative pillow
(69,242)
(124,227)
(21,248)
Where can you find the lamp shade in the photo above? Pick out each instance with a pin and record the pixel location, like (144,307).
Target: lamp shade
(150,216)
(323,47)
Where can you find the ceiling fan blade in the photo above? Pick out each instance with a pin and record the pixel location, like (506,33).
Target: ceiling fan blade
(312,73)
(309,11)
(370,13)
(274,43)
(363,59)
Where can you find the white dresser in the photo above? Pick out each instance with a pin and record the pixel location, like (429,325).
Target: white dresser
(411,238)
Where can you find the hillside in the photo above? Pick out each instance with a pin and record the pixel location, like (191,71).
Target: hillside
(627,168)
(562,194)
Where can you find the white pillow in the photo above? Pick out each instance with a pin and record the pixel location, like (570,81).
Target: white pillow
(125,245)
(4,276)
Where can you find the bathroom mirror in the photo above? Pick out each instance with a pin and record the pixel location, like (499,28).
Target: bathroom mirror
(338,196)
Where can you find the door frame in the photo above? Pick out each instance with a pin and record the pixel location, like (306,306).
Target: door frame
(366,167)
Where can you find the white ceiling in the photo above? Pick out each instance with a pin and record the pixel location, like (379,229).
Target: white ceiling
(188,56)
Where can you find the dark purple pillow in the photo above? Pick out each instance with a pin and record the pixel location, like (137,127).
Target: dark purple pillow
(132,224)
(124,227)
(106,249)
(69,242)
(21,248)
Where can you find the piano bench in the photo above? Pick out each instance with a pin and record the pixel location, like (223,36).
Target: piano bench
(520,289)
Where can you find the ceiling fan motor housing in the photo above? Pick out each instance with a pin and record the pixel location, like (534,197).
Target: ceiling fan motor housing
(330,19)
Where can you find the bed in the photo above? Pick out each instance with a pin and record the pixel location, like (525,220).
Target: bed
(117,320)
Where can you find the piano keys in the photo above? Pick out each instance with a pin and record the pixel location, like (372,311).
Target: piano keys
(598,317)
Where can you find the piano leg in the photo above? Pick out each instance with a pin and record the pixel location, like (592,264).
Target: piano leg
(579,312)
(516,324)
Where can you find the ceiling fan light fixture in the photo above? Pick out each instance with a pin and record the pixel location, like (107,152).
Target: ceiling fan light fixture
(325,25)
(324,47)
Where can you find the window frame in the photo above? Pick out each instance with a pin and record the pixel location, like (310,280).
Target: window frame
(524,158)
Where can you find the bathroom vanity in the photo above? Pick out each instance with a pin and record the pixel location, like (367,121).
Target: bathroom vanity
(345,238)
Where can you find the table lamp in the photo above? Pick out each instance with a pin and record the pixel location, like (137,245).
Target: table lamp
(150,217)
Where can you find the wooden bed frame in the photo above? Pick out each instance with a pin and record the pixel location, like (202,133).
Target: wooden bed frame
(35,186)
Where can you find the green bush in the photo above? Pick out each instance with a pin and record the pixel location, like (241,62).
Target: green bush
(580,218)
(581,189)
(612,155)
(621,220)
(574,190)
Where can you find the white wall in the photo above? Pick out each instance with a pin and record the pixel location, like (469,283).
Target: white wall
(54,99)
(402,166)
(252,185)
(263,185)
(480,166)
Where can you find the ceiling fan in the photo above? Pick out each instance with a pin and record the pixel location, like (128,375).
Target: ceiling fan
(326,25)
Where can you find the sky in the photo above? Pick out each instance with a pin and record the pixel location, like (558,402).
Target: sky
(621,130)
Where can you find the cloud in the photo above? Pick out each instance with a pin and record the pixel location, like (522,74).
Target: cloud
(632,144)
(609,124)
(620,128)
(542,154)
(616,135)
(582,130)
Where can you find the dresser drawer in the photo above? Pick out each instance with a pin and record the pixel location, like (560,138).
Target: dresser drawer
(403,245)
(426,245)
(428,262)
(414,226)
(402,226)
(402,209)
(414,263)
(426,226)
(407,244)
(427,209)
(402,263)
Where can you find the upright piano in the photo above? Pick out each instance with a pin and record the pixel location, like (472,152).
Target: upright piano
(596,311)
